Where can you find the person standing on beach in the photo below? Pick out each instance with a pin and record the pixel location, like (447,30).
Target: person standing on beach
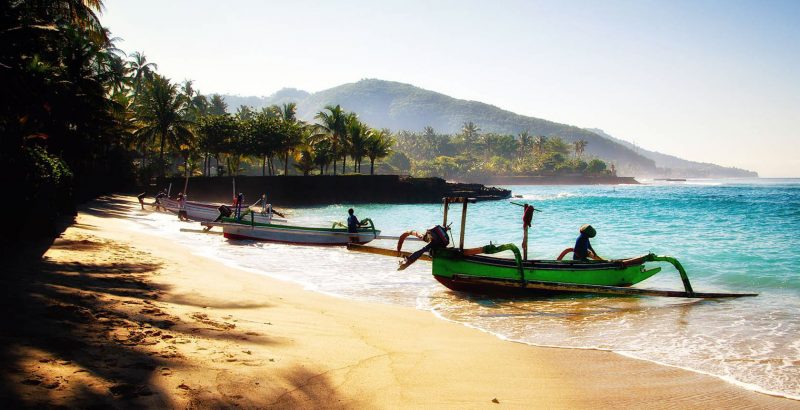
(352,225)
(527,218)
(182,215)
(239,200)
(157,203)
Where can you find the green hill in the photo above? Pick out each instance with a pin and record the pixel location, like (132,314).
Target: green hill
(398,106)
(672,166)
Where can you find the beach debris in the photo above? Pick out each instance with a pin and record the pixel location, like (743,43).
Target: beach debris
(494,400)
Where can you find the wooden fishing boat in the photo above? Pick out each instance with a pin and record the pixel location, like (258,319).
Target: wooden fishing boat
(206,212)
(473,270)
(337,234)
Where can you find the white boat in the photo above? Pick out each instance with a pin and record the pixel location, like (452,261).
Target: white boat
(299,235)
(206,212)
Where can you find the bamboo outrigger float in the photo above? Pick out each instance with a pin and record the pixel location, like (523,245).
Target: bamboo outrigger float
(472,270)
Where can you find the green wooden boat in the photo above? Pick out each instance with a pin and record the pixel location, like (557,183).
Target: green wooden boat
(475,270)
(467,271)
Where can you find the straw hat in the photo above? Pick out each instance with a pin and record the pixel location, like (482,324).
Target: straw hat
(588,230)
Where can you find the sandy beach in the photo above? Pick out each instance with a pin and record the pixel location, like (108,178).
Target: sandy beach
(113,316)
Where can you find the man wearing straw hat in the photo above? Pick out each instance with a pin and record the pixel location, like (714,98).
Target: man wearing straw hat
(583,249)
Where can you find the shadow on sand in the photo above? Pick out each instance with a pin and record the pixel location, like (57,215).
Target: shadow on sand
(89,332)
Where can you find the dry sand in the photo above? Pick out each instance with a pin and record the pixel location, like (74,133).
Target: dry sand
(115,317)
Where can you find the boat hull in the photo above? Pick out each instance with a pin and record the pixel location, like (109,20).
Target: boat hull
(294,235)
(203,212)
(485,274)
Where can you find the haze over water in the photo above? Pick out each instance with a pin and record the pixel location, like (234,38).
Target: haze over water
(736,236)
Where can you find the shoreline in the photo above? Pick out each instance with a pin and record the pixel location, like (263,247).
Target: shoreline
(311,349)
(557,180)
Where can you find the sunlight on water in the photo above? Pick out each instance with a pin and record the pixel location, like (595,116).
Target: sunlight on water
(735,235)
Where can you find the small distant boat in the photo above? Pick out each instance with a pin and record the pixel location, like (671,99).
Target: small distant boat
(337,234)
(671,179)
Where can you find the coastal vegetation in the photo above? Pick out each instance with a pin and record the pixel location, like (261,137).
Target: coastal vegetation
(471,154)
(398,106)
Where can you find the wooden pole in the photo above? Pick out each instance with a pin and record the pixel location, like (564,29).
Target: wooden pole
(446,206)
(512,284)
(463,225)
(382,251)
(186,183)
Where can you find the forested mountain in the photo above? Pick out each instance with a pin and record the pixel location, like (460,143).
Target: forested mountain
(283,96)
(672,166)
(398,106)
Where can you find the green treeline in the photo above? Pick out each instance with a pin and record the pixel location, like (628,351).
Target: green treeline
(79,117)
(471,153)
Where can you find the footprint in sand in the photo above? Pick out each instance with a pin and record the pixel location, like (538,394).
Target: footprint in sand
(204,319)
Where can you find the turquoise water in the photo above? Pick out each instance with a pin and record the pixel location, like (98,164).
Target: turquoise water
(732,235)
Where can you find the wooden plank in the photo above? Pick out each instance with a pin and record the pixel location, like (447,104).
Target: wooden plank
(397,238)
(201,231)
(383,251)
(610,290)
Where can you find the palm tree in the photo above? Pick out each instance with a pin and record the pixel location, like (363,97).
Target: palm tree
(214,133)
(580,146)
(470,131)
(161,115)
(304,158)
(141,71)
(245,113)
(539,144)
(323,154)
(217,106)
(357,133)
(378,146)
(288,112)
(428,132)
(265,139)
(525,143)
(304,161)
(291,136)
(333,124)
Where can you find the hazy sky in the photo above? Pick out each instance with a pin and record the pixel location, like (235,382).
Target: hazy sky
(712,81)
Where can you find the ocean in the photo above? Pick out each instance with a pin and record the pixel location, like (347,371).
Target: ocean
(730,235)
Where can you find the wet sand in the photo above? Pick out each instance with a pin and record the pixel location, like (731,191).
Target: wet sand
(112,316)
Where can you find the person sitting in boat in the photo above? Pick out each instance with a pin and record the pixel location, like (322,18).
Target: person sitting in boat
(436,238)
(583,248)
(352,224)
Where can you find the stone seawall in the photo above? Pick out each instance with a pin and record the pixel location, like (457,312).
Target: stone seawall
(329,189)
